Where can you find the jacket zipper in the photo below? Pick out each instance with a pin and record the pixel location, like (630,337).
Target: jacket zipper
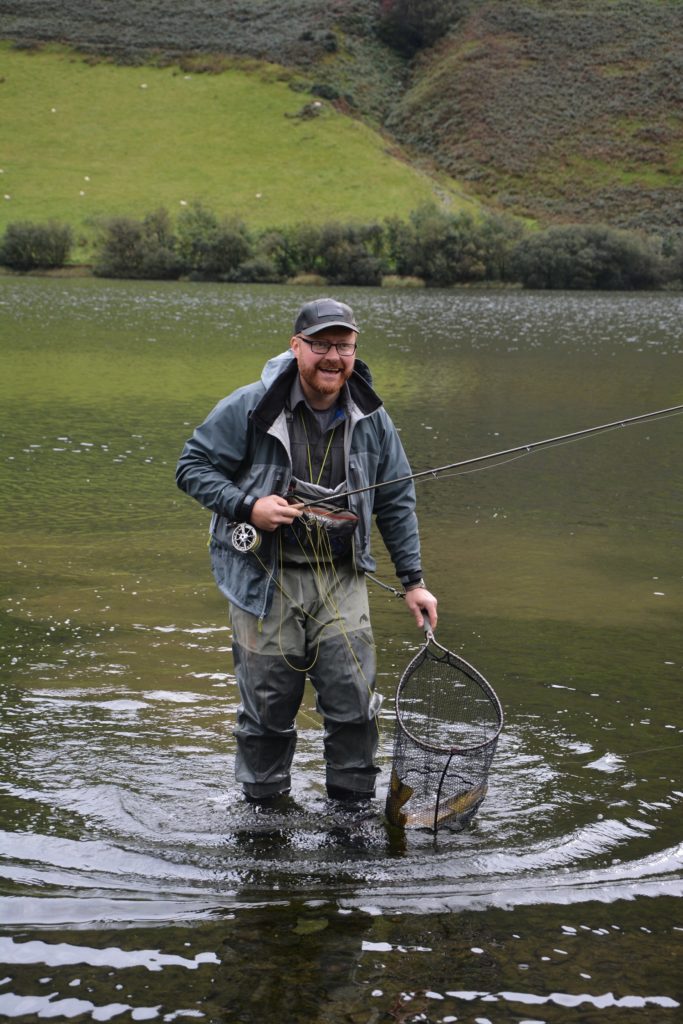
(279,479)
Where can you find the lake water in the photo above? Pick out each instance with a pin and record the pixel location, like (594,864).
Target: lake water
(134,883)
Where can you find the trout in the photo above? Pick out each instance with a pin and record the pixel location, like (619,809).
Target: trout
(398,795)
(451,807)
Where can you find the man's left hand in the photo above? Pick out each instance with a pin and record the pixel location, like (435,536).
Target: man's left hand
(422,605)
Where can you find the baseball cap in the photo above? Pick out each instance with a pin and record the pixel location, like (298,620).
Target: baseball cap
(321,313)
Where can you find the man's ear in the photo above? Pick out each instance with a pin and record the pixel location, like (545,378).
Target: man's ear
(294,344)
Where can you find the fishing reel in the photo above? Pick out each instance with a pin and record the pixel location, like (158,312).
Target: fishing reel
(245,538)
(321,524)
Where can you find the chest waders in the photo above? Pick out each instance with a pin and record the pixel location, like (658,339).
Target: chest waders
(318,628)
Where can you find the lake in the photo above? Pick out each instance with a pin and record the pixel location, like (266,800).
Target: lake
(134,882)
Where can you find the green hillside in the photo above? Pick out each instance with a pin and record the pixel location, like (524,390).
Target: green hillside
(555,111)
(82,141)
(558,111)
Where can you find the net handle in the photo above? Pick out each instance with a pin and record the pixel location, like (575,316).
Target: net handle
(430,638)
(478,677)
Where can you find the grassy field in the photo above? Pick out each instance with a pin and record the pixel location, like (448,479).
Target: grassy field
(82,141)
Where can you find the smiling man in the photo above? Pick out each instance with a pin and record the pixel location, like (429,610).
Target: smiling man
(280,455)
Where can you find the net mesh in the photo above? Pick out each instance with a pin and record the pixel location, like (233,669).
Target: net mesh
(448,719)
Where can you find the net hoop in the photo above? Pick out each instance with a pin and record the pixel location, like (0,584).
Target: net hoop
(455,661)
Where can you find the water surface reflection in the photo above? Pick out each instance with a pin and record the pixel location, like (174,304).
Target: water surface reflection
(133,880)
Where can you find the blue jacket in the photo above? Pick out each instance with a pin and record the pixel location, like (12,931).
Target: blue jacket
(241,453)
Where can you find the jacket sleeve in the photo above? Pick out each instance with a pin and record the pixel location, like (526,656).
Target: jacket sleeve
(394,506)
(211,460)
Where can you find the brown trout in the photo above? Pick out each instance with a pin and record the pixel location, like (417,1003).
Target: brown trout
(398,795)
(431,817)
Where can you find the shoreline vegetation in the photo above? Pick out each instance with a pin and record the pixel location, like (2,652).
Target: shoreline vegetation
(242,158)
(431,248)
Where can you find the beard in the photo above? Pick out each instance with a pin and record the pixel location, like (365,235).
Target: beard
(326,384)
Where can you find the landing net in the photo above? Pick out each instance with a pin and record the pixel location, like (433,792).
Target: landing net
(448,720)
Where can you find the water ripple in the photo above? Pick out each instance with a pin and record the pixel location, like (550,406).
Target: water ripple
(148,812)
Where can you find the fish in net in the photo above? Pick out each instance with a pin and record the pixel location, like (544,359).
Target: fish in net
(448,720)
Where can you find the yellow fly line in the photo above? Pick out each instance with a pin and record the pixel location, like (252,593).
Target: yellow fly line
(321,564)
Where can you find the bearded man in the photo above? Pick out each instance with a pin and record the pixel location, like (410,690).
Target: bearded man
(290,547)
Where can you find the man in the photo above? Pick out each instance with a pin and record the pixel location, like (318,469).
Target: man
(274,462)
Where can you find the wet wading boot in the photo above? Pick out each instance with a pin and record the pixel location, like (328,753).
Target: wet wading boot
(349,795)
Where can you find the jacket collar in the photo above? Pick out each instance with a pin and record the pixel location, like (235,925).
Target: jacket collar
(278,376)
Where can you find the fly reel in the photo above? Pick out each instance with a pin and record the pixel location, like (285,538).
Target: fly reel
(245,538)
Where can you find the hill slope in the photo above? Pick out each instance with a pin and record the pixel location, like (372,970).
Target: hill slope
(553,110)
(88,141)
(558,111)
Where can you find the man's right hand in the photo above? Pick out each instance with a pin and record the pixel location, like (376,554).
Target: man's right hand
(273,511)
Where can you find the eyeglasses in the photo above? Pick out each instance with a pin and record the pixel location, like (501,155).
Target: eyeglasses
(321,348)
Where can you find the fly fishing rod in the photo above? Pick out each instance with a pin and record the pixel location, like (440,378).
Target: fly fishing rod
(524,449)
(247,538)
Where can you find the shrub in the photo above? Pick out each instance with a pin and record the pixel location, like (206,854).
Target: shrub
(583,256)
(677,265)
(290,249)
(400,242)
(118,251)
(499,236)
(212,249)
(350,254)
(339,253)
(445,248)
(27,246)
(258,269)
(434,247)
(138,249)
(160,257)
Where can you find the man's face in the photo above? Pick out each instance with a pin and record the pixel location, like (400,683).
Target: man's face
(323,375)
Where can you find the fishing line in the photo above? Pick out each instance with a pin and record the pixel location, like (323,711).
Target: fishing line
(559,443)
(629,754)
(251,540)
(322,566)
(246,537)
(518,452)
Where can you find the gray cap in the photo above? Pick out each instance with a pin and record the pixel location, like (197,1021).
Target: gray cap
(321,313)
